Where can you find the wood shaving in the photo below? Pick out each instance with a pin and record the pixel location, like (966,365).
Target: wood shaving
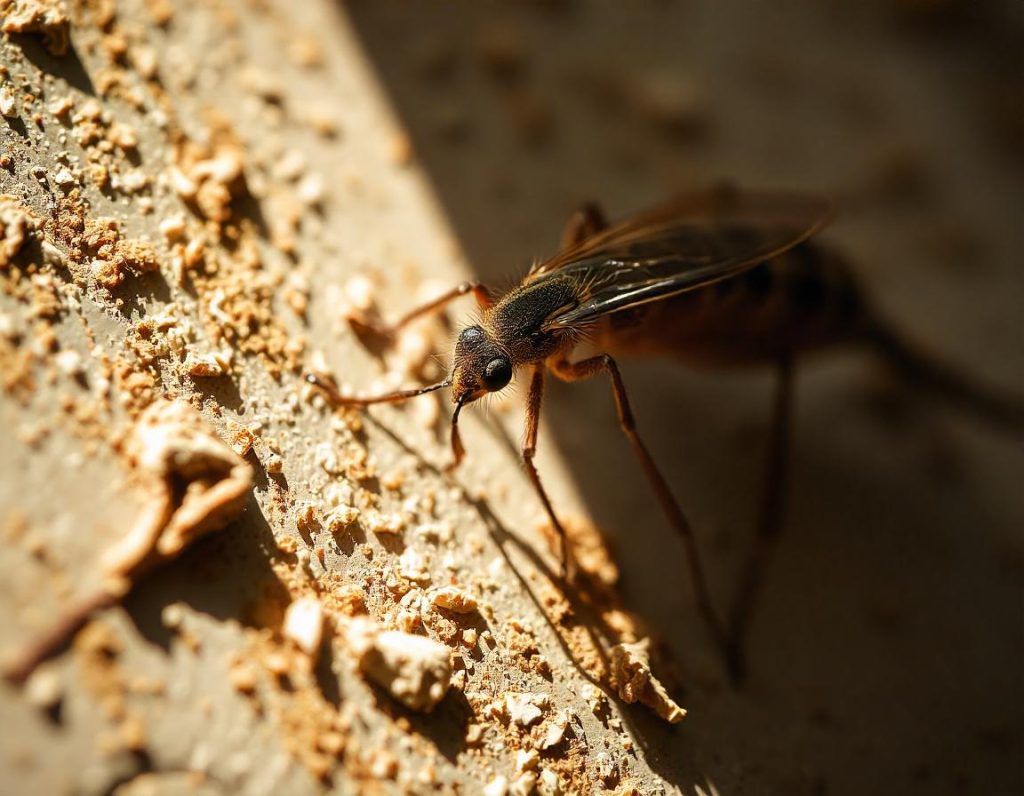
(634,681)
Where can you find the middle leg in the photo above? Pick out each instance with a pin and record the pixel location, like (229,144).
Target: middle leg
(577,371)
(529,450)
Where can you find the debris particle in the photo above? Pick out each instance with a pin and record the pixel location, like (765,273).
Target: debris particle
(45,17)
(556,730)
(453,599)
(172,445)
(340,517)
(526,760)
(242,677)
(415,670)
(634,681)
(375,522)
(525,709)
(496,787)
(412,565)
(8,102)
(173,228)
(304,624)
(204,365)
(16,224)
(44,688)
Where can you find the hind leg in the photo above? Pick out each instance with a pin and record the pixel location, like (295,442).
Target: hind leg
(585,222)
(769,522)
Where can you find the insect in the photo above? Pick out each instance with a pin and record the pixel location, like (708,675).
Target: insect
(720,277)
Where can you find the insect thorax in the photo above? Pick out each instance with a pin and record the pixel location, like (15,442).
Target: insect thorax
(517,320)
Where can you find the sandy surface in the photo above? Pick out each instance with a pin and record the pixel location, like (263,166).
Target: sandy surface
(251,162)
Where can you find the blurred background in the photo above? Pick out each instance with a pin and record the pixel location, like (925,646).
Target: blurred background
(887,645)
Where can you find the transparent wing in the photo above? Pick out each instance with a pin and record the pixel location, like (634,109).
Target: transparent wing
(679,246)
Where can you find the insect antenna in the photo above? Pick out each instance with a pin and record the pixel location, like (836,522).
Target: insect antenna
(335,397)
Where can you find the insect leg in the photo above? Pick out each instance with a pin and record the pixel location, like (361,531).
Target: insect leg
(586,221)
(389,330)
(577,371)
(770,520)
(529,449)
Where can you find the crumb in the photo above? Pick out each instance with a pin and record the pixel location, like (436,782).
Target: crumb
(415,670)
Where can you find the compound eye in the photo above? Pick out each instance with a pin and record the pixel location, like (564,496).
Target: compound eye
(497,374)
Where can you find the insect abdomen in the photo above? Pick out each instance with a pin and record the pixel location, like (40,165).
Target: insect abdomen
(803,299)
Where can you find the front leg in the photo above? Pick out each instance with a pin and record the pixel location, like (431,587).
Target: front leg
(529,450)
(577,371)
(387,332)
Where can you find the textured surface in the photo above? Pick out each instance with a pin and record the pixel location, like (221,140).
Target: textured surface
(249,157)
(190,194)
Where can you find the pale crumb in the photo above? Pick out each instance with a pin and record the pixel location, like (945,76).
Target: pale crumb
(61,107)
(277,664)
(413,566)
(428,774)
(328,460)
(393,480)
(340,517)
(172,616)
(304,624)
(333,743)
(523,785)
(307,517)
(469,637)
(240,437)
(8,102)
(290,166)
(45,689)
(526,760)
(407,621)
(474,734)
(453,599)
(338,494)
(64,178)
(311,190)
(607,769)
(69,362)
(411,609)
(242,677)
(123,136)
(496,787)
(288,545)
(548,784)
(593,696)
(173,228)
(415,670)
(203,365)
(360,293)
(182,184)
(525,709)
(556,730)
(195,252)
(376,522)
(273,464)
